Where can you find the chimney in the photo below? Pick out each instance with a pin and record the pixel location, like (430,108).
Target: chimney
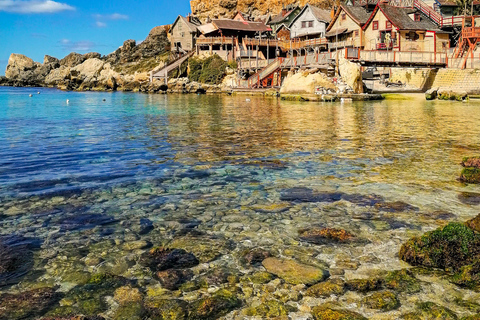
(284,11)
(189,18)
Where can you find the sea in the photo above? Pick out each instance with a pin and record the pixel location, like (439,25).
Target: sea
(91,183)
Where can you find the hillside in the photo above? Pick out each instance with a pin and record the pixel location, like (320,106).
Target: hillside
(258,8)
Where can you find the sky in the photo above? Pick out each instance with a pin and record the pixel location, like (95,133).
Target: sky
(37,28)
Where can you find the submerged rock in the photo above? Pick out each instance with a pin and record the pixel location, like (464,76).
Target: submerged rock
(255,256)
(364,285)
(325,235)
(448,248)
(293,272)
(328,313)
(430,311)
(382,300)
(167,309)
(269,309)
(159,259)
(27,305)
(218,305)
(172,279)
(300,194)
(402,281)
(326,289)
(16,258)
(471,198)
(397,206)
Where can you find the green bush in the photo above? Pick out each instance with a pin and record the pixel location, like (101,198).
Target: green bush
(210,70)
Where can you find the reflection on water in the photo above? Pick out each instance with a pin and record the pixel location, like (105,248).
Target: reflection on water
(98,182)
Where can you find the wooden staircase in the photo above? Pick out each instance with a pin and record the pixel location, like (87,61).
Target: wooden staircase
(265,77)
(163,73)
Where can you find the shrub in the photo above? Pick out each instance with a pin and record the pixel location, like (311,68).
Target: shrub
(210,70)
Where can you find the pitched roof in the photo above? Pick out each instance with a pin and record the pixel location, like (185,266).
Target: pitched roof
(399,17)
(321,14)
(241,25)
(192,27)
(279,18)
(357,13)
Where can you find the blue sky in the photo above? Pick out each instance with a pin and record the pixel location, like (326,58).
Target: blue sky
(39,27)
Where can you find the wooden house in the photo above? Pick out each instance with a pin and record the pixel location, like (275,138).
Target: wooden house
(183,33)
(285,17)
(449,8)
(345,30)
(224,37)
(402,29)
(310,23)
(283,33)
(242,16)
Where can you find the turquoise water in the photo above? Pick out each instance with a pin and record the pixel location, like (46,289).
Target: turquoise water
(91,185)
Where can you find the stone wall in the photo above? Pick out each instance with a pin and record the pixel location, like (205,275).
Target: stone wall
(414,78)
(457,80)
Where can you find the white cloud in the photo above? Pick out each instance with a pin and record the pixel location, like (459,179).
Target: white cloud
(113,16)
(33,6)
(101,18)
(77,46)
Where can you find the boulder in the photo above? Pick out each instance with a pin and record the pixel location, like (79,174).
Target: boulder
(215,306)
(88,70)
(471,170)
(351,74)
(160,259)
(304,82)
(17,64)
(431,94)
(382,300)
(92,55)
(72,60)
(326,235)
(328,313)
(293,272)
(57,76)
(49,59)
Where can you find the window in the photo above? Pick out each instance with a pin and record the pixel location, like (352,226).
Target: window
(375,25)
(310,24)
(412,36)
(388,25)
(304,24)
(182,34)
(344,16)
(417,16)
(356,33)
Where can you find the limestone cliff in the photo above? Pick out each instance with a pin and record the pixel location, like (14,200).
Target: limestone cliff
(126,68)
(258,8)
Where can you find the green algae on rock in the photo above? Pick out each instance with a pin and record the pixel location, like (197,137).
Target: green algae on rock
(260,277)
(215,306)
(430,311)
(167,309)
(448,248)
(325,235)
(25,305)
(364,285)
(326,289)
(327,313)
(293,272)
(269,309)
(160,259)
(402,281)
(471,170)
(382,300)
(468,276)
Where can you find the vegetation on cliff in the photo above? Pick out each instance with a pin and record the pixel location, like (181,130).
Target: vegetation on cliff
(210,70)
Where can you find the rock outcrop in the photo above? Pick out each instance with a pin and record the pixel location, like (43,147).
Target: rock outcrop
(257,8)
(351,75)
(305,82)
(125,69)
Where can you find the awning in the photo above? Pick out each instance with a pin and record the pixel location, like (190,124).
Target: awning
(333,33)
(207,28)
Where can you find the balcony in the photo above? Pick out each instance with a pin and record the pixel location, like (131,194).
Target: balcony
(384,46)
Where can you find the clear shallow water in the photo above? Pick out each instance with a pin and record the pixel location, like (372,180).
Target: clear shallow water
(77,178)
